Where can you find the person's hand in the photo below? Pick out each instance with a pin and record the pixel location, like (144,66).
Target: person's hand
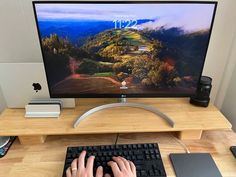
(78,168)
(122,167)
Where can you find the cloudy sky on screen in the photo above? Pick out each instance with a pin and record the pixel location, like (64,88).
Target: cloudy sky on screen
(188,16)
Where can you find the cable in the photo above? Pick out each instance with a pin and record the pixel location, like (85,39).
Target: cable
(181,143)
(117,137)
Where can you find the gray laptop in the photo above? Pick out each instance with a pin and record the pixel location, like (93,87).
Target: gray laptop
(194,165)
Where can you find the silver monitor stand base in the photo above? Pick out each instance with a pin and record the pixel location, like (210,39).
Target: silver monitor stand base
(4,140)
(123,103)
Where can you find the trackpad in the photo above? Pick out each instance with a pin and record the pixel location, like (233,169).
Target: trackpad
(194,165)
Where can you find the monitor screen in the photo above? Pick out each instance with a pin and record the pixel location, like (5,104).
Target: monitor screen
(133,49)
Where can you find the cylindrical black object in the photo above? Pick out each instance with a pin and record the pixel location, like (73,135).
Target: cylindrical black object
(202,96)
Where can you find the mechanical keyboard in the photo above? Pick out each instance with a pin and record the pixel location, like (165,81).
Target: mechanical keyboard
(146,157)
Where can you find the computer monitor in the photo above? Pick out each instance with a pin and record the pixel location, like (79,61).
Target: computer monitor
(123,48)
(137,49)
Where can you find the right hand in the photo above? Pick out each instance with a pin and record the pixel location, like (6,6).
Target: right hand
(122,168)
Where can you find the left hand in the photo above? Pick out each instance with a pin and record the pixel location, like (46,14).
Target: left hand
(78,168)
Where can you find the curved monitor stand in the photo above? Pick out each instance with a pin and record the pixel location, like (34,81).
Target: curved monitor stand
(123,103)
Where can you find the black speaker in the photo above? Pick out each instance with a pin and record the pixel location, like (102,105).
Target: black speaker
(202,96)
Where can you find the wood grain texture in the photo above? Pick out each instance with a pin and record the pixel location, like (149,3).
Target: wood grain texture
(28,140)
(122,120)
(190,134)
(47,160)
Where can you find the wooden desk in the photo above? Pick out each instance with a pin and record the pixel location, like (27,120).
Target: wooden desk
(189,120)
(47,160)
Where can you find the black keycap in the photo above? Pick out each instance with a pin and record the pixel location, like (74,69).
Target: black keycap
(139,157)
(153,157)
(117,147)
(104,154)
(156,172)
(151,172)
(143,173)
(137,152)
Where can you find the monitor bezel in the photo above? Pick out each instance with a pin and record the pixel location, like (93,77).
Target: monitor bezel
(135,95)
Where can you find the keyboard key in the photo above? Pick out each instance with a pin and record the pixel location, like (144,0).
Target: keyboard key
(148,157)
(117,147)
(151,172)
(137,152)
(139,157)
(143,173)
(156,172)
(153,157)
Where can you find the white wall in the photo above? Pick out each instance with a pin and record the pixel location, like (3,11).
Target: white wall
(18,38)
(227,92)
(2,101)
(229,103)
(220,46)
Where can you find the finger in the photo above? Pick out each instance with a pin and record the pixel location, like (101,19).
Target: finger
(68,172)
(81,160)
(119,162)
(99,172)
(133,168)
(107,175)
(89,165)
(74,167)
(114,167)
(127,165)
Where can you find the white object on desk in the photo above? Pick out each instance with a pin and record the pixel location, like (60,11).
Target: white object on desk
(42,110)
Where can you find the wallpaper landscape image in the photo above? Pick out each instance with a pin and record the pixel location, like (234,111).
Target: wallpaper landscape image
(124,48)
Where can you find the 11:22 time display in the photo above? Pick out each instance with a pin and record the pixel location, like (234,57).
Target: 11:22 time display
(125,23)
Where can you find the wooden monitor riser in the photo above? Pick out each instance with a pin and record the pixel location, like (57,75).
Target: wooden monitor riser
(189,120)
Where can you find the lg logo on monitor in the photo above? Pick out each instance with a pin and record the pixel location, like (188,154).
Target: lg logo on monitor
(37,87)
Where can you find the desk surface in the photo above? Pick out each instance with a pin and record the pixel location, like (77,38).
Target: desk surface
(47,160)
(123,120)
